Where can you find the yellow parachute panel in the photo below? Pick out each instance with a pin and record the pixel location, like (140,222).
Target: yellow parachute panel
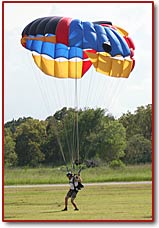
(60,69)
(115,67)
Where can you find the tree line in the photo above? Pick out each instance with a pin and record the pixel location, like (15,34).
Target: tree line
(31,142)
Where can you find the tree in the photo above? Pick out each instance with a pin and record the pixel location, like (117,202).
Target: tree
(63,125)
(112,141)
(138,150)
(29,137)
(10,157)
(130,124)
(30,142)
(138,123)
(90,124)
(143,119)
(55,144)
(139,135)
(12,125)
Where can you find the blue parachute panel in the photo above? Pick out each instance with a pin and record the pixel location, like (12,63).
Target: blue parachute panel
(75,52)
(90,36)
(61,50)
(48,49)
(125,48)
(115,44)
(76,34)
(29,43)
(101,37)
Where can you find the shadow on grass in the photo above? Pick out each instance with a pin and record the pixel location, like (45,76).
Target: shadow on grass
(49,212)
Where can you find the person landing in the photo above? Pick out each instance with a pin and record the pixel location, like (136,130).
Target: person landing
(75,186)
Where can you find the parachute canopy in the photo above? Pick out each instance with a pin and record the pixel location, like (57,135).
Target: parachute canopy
(66,48)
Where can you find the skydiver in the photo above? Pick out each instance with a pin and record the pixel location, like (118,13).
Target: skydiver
(75,186)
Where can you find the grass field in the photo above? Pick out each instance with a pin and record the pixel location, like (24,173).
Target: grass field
(57,175)
(106,202)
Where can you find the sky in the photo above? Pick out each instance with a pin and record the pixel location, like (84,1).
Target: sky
(28,92)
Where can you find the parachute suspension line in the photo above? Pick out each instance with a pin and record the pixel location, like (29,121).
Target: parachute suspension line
(64,89)
(73,143)
(75,155)
(98,81)
(77,130)
(44,94)
(89,86)
(109,86)
(104,86)
(121,87)
(60,145)
(71,132)
(54,122)
(39,83)
(44,89)
(113,93)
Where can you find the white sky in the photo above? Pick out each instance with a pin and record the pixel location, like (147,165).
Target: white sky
(28,92)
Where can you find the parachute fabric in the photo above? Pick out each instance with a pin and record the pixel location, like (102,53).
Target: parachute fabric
(66,48)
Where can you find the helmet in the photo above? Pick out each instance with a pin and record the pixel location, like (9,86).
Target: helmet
(69,174)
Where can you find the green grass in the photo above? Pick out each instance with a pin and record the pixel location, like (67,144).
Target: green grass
(57,175)
(112,202)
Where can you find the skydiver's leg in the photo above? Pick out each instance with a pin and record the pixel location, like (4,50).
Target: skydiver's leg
(66,200)
(66,203)
(73,203)
(72,200)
